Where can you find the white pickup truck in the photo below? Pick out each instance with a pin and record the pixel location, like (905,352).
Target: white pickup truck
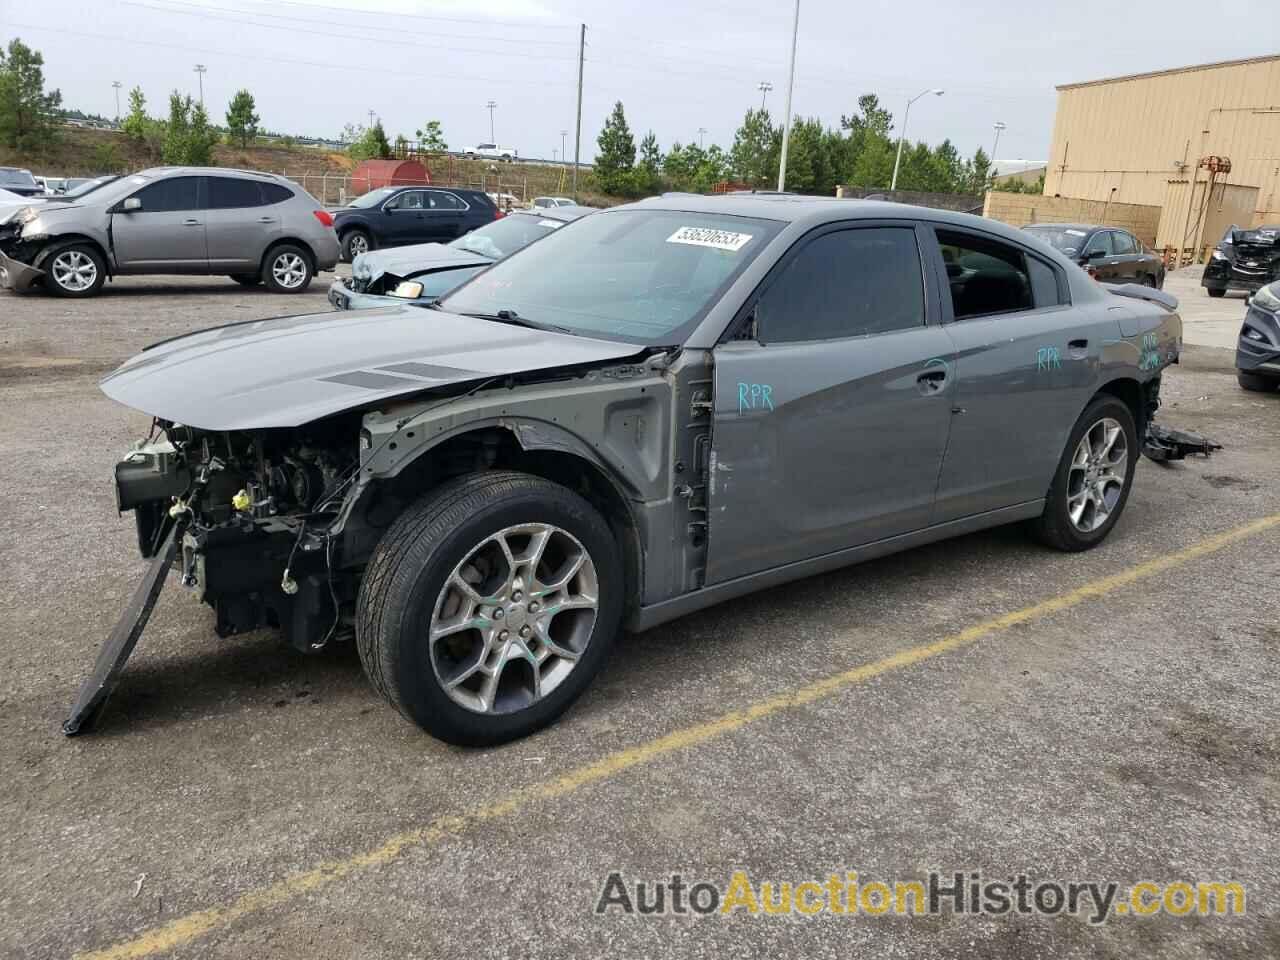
(491,151)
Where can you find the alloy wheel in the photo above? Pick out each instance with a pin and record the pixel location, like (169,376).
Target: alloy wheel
(74,270)
(1096,477)
(289,269)
(514,618)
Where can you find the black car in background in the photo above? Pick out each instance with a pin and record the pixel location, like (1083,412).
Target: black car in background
(19,181)
(1108,254)
(1243,260)
(395,216)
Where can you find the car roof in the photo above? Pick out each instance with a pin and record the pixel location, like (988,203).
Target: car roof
(1072,226)
(814,211)
(209,171)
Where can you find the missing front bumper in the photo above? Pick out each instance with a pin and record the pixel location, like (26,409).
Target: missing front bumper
(18,276)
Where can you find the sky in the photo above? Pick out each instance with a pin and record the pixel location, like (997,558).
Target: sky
(317,65)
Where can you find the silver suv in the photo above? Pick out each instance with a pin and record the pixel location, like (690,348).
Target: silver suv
(253,227)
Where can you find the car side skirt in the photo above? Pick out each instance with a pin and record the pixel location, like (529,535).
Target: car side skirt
(658,613)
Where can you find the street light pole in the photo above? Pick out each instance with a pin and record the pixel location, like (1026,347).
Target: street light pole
(563,156)
(702,132)
(117,85)
(999,125)
(764,86)
(492,105)
(201,69)
(902,135)
(791,85)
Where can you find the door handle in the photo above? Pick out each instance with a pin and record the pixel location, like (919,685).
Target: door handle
(266,219)
(191,222)
(1078,349)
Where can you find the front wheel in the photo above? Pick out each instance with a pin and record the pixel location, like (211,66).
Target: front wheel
(1217,291)
(489,606)
(287,270)
(1093,479)
(77,270)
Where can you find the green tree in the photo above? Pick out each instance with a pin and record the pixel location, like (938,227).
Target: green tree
(188,138)
(756,148)
(978,173)
(242,121)
(647,176)
(371,144)
(26,109)
(135,122)
(617,153)
(873,163)
(431,137)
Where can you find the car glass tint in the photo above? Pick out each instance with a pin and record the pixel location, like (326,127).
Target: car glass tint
(372,199)
(1124,244)
(642,276)
(504,237)
(444,201)
(168,196)
(1066,239)
(850,283)
(275,193)
(440,283)
(228,193)
(1044,283)
(1100,241)
(984,276)
(409,200)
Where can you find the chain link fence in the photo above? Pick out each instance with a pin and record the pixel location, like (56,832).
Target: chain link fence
(334,189)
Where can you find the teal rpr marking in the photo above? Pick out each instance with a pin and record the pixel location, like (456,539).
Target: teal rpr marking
(754,396)
(1048,358)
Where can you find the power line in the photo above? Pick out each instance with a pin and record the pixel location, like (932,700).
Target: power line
(422,16)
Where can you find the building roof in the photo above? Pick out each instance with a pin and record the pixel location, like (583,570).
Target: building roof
(1173,70)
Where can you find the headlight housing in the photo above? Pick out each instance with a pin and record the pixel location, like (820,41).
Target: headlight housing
(1219,255)
(1268,298)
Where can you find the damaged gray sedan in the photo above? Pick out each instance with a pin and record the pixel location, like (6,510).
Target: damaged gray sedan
(657,408)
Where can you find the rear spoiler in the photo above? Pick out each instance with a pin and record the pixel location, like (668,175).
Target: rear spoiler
(1136,291)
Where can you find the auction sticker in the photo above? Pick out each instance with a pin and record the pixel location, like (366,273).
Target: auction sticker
(709,237)
(553,224)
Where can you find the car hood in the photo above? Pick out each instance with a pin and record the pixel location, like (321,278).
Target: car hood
(288,371)
(406,261)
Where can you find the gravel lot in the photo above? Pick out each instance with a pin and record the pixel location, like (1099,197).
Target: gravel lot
(246,801)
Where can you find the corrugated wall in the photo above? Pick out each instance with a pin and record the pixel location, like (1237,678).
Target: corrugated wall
(1020,209)
(1131,134)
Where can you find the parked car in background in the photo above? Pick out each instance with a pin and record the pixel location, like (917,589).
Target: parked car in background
(20,181)
(396,216)
(1243,260)
(506,202)
(542,203)
(1258,349)
(491,151)
(1106,253)
(253,227)
(650,411)
(426,272)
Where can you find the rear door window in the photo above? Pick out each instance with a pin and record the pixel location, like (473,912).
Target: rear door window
(444,201)
(230,193)
(985,276)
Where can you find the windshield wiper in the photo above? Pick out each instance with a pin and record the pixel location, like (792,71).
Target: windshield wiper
(513,318)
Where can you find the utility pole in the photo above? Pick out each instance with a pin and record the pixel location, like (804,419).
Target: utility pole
(564,156)
(702,132)
(764,86)
(201,70)
(492,105)
(791,85)
(577,130)
(117,85)
(902,134)
(371,119)
(999,125)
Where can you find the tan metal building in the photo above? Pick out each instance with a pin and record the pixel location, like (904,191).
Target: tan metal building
(1142,139)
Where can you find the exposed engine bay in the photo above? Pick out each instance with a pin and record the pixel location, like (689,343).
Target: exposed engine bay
(262,514)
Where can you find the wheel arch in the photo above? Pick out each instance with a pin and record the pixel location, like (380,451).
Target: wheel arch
(1133,395)
(288,241)
(527,445)
(66,240)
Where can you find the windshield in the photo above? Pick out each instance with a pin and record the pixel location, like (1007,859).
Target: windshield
(16,178)
(373,198)
(1066,239)
(89,186)
(504,237)
(642,276)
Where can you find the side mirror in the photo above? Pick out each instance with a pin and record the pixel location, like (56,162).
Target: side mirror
(131,205)
(1095,254)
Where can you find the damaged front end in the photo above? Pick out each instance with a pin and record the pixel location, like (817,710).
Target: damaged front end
(251,521)
(1245,260)
(18,256)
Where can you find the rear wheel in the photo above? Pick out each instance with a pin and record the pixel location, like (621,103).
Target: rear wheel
(1216,291)
(76,270)
(489,606)
(1093,478)
(354,243)
(287,269)
(1255,383)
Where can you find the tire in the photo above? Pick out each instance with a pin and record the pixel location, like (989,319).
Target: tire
(287,269)
(1217,291)
(1056,527)
(354,243)
(408,587)
(1149,281)
(246,279)
(1255,383)
(76,270)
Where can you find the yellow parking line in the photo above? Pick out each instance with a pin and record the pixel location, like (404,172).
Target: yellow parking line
(187,928)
